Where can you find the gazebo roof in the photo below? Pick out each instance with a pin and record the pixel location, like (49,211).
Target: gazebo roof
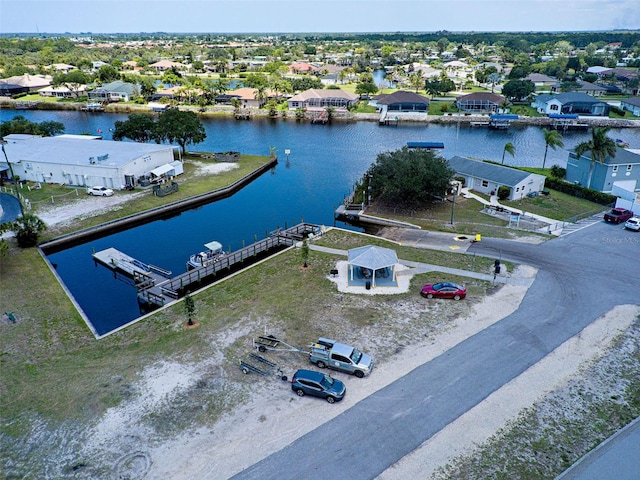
(372,257)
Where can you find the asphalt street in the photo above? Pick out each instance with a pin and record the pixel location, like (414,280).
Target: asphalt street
(580,277)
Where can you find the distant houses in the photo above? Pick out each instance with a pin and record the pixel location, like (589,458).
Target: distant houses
(480,102)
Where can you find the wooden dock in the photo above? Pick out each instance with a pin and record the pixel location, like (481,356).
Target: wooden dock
(156,287)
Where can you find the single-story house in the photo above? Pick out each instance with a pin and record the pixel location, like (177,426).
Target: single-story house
(303,67)
(590,89)
(624,169)
(83,161)
(487,177)
(570,102)
(315,99)
(164,65)
(542,81)
(403,101)
(480,102)
(31,82)
(631,104)
(9,89)
(114,92)
(62,91)
(248,97)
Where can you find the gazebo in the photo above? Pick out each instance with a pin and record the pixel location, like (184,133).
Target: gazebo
(371,261)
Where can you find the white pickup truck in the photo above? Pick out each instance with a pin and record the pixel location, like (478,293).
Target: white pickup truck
(338,356)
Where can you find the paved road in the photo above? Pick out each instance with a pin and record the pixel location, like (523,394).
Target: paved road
(581,276)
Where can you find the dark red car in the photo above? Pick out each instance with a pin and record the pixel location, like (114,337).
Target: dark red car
(618,215)
(444,290)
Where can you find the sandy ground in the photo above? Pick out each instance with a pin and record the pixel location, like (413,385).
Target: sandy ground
(272,419)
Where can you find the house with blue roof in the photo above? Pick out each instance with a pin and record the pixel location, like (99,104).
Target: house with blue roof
(571,102)
(619,172)
(485,177)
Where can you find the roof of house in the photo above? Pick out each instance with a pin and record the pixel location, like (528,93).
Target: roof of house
(74,151)
(567,97)
(540,77)
(401,96)
(624,156)
(488,171)
(321,93)
(481,96)
(119,86)
(597,69)
(31,81)
(635,101)
(590,87)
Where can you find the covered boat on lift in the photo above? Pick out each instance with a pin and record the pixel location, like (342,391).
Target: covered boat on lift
(212,253)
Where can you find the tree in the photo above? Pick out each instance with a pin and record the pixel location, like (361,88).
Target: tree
(106,74)
(366,88)
(181,127)
(189,308)
(553,139)
(416,81)
(518,89)
(19,124)
(304,253)
(409,176)
(508,148)
(28,229)
(600,146)
(72,80)
(140,127)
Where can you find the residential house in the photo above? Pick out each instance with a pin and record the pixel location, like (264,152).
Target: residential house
(623,171)
(249,97)
(570,103)
(542,82)
(83,160)
(484,177)
(30,82)
(114,92)
(631,104)
(316,99)
(480,102)
(590,89)
(61,67)
(402,101)
(164,65)
(302,68)
(62,91)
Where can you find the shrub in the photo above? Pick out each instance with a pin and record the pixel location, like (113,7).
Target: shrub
(580,192)
(503,192)
(558,172)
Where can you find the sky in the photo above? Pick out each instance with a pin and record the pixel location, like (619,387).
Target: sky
(309,16)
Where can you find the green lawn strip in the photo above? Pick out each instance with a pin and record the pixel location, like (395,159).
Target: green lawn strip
(191,184)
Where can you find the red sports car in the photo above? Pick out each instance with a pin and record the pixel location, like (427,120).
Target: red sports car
(444,290)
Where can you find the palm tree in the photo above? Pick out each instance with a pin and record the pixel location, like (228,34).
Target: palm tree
(553,139)
(508,148)
(600,147)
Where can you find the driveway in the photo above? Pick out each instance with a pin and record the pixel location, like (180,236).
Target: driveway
(581,276)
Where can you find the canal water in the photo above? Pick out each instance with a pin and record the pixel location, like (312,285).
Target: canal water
(324,163)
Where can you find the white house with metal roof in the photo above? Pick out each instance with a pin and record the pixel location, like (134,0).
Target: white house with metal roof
(487,177)
(86,160)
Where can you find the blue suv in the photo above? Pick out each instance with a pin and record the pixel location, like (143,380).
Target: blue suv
(317,384)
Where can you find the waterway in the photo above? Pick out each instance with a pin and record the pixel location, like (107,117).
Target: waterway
(324,163)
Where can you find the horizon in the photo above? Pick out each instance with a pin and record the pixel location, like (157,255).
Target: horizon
(280,17)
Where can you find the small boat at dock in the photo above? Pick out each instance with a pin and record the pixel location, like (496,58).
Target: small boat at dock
(212,253)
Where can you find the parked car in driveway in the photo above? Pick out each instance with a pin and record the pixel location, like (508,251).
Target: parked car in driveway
(444,290)
(100,191)
(318,384)
(632,224)
(618,215)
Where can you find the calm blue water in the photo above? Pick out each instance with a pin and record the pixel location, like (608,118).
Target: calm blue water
(324,164)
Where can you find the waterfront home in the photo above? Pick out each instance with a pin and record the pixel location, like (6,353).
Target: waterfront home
(402,101)
(315,99)
(621,171)
(113,92)
(30,82)
(480,102)
(631,104)
(62,91)
(83,160)
(570,102)
(485,177)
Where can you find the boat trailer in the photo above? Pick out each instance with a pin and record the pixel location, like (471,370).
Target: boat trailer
(269,342)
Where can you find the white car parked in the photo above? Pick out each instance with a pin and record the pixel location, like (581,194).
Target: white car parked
(633,224)
(100,191)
